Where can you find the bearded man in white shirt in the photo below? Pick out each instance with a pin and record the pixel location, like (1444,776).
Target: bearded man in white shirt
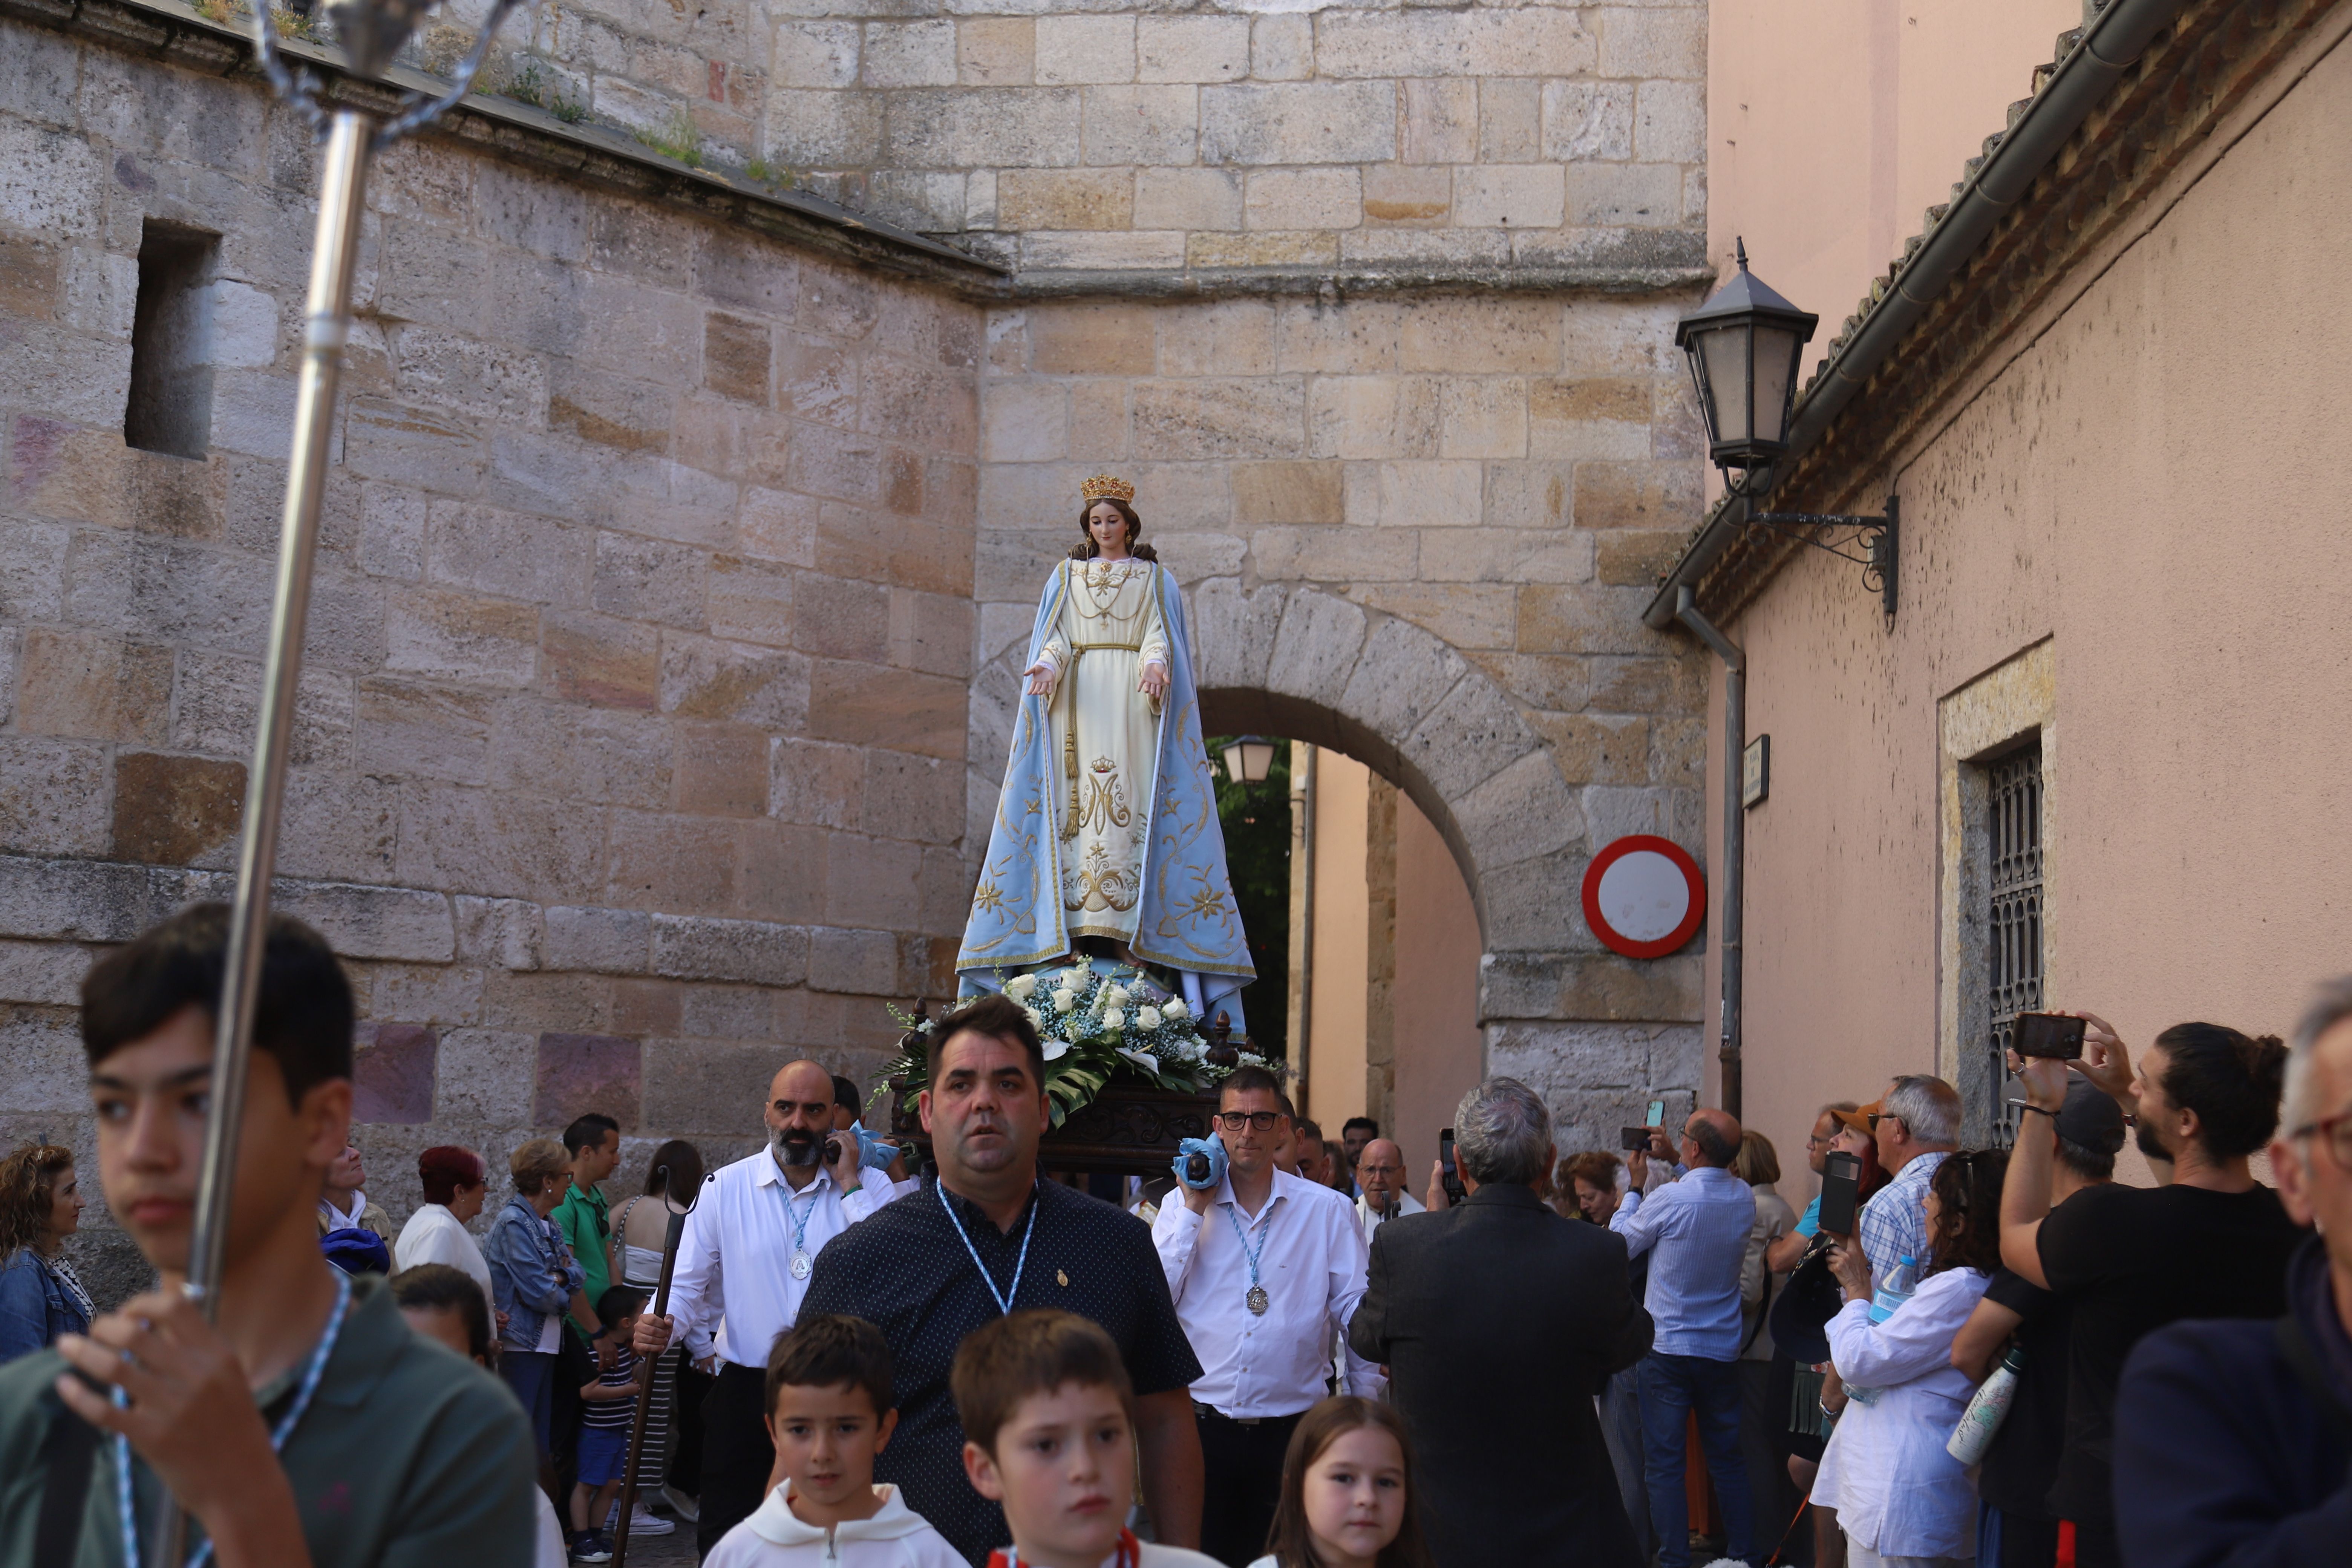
(743,1267)
(1265,1267)
(1379,1170)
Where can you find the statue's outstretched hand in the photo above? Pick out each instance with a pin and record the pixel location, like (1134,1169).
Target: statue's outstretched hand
(1041,679)
(1153,682)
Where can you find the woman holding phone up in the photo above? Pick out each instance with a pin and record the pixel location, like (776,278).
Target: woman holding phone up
(1899,1495)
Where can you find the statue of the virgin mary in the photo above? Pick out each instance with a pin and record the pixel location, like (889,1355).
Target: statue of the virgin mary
(1106,842)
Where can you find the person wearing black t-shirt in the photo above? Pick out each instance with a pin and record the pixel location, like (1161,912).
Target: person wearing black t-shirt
(2128,1260)
(984,1238)
(2013,1486)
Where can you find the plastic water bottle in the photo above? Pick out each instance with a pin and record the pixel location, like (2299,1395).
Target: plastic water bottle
(1895,1289)
(1973,1436)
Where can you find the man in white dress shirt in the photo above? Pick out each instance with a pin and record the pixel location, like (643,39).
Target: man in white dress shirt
(1379,1170)
(743,1265)
(1264,1266)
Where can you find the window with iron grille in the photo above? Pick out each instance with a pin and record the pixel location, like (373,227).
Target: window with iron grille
(2013,931)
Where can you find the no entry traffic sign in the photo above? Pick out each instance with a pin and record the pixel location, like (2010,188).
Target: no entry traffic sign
(1644,896)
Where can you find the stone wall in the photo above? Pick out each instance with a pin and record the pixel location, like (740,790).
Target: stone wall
(1164,138)
(631,746)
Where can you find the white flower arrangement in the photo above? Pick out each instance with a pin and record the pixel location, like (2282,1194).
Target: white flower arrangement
(1097,1029)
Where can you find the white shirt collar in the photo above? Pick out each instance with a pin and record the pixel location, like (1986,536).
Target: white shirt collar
(767,1173)
(774,1521)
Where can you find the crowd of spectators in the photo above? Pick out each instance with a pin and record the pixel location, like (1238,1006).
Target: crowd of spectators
(1548,1356)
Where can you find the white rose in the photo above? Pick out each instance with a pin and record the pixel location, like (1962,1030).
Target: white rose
(1114,1020)
(1116,997)
(1020,987)
(1174,1008)
(1037,1019)
(1147,1017)
(1064,1000)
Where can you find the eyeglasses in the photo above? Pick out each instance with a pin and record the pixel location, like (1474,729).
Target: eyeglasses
(2338,1131)
(1818,1141)
(1878,1115)
(1257,1120)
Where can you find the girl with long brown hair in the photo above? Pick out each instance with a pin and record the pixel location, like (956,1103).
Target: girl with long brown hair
(1349,1500)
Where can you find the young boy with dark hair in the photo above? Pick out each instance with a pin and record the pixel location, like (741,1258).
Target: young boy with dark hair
(1048,1418)
(608,1408)
(308,1429)
(831,1410)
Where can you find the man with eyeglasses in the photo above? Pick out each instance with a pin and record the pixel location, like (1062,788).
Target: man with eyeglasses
(2233,1440)
(1266,1267)
(1915,1123)
(1381,1169)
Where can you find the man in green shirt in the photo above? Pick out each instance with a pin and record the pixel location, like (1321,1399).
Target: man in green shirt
(593,1141)
(390,1451)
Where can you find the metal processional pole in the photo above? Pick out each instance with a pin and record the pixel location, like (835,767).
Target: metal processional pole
(370,33)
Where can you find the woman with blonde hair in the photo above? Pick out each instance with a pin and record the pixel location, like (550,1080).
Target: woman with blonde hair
(534,1279)
(40,1205)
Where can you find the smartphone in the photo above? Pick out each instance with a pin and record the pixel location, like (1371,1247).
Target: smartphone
(1657,1113)
(2049,1035)
(1840,1192)
(1449,1177)
(1633,1138)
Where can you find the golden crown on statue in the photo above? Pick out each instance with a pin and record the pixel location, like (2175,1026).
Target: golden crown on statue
(1102,487)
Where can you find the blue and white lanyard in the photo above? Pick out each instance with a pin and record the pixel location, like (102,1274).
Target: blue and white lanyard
(1005,1298)
(1262,1225)
(800,1220)
(286,1425)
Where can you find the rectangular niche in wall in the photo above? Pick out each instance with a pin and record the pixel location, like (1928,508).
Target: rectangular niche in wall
(171,404)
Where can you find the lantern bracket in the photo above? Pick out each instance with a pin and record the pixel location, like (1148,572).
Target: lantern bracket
(1869,542)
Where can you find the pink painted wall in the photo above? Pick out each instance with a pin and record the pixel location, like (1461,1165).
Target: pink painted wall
(1833,125)
(2155,483)
(1439,1051)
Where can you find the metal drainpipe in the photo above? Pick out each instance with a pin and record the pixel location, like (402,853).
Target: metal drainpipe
(1735,838)
(1302,941)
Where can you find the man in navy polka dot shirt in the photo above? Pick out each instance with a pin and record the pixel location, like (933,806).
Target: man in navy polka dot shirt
(985,1237)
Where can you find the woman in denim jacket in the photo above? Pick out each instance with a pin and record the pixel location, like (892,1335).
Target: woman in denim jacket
(40,1205)
(533,1278)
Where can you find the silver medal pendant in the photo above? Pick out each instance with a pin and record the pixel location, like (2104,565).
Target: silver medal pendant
(800,1265)
(1256,1299)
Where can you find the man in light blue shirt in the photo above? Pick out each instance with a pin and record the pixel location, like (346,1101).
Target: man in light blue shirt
(1915,1123)
(1696,1229)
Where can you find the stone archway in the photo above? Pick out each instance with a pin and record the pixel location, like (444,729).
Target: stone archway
(1599,1035)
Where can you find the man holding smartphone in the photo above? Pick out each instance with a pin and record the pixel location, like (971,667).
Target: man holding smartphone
(2128,1260)
(1696,1228)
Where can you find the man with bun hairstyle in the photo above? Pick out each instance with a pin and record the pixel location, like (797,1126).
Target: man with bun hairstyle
(2128,1260)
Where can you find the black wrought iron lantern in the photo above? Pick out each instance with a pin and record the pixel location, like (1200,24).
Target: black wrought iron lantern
(1249,759)
(1745,345)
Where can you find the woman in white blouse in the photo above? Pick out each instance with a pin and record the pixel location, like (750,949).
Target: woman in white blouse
(1901,1499)
(453,1187)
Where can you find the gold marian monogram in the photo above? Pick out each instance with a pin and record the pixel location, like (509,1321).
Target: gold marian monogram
(1099,885)
(1102,803)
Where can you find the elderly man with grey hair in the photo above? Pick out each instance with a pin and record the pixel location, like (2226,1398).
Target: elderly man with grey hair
(1915,1123)
(1498,1321)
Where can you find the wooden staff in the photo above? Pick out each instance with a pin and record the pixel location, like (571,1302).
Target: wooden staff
(670,1182)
